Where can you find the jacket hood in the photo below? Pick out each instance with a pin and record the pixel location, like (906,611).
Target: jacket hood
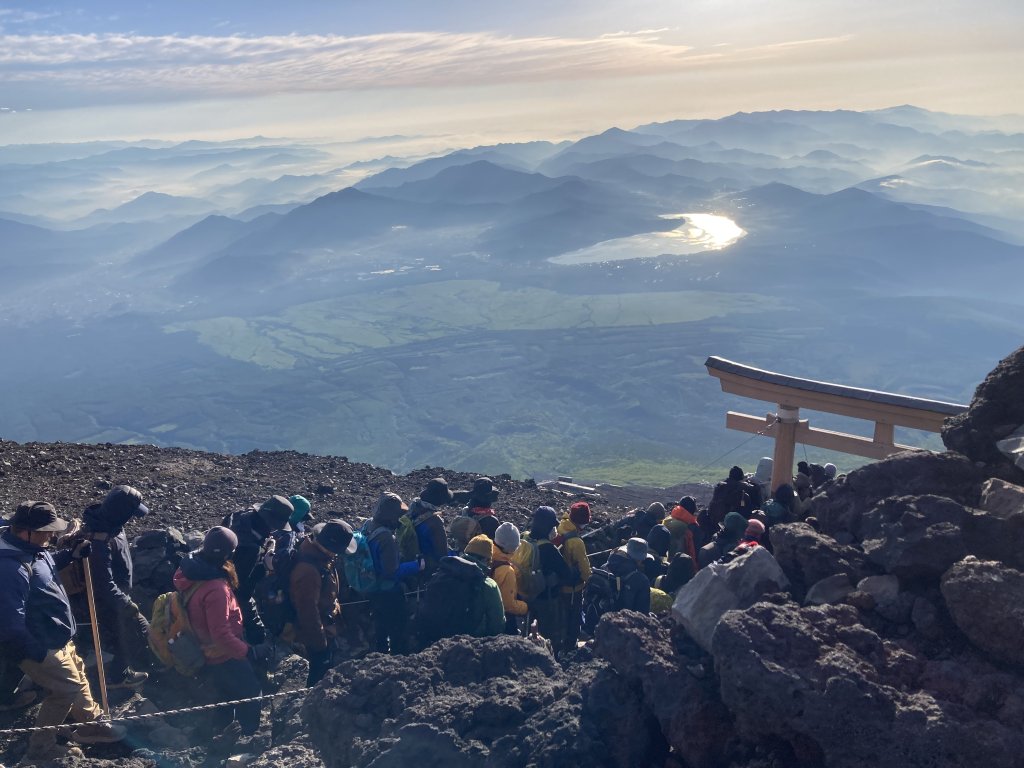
(500,558)
(620,564)
(98,519)
(461,568)
(194,568)
(680,513)
(12,546)
(567,526)
(421,510)
(308,548)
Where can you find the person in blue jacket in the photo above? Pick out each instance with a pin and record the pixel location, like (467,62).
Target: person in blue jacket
(123,629)
(387,600)
(37,627)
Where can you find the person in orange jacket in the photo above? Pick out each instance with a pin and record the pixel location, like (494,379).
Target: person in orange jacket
(683,515)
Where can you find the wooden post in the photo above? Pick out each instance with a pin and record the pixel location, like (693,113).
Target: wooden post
(785,445)
(96,636)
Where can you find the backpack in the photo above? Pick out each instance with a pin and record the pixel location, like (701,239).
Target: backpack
(453,601)
(600,596)
(273,592)
(776,511)
(360,569)
(728,497)
(408,540)
(171,636)
(530,574)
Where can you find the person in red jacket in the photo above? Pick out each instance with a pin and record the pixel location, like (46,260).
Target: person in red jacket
(208,581)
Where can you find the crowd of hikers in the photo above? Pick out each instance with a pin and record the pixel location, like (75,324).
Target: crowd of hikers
(271,576)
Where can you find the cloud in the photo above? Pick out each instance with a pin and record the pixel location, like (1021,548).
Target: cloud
(109,65)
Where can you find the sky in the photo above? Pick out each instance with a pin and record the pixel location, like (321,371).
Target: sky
(473,69)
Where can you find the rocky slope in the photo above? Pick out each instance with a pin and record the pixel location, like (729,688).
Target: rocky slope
(895,643)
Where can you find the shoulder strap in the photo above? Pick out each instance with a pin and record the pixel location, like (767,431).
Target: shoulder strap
(189,593)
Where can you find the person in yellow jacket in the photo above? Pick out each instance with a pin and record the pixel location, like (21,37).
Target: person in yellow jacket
(506,542)
(574,551)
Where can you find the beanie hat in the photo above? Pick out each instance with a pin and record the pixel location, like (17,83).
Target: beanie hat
(763,473)
(803,467)
(830,471)
(659,538)
(656,512)
(277,510)
(579,513)
(507,537)
(689,504)
(755,529)
(124,501)
(544,519)
(335,535)
(736,473)
(636,549)
(481,548)
(734,523)
(218,544)
(784,494)
(302,508)
(437,492)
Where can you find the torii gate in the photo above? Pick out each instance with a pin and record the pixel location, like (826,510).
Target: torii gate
(791,393)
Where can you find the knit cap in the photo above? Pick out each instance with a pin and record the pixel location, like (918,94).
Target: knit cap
(507,537)
(579,514)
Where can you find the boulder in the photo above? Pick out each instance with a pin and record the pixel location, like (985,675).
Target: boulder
(914,537)
(995,414)
(297,753)
(807,556)
(721,587)
(831,589)
(692,718)
(1001,498)
(841,507)
(986,601)
(995,531)
(883,589)
(1012,448)
(841,696)
(500,702)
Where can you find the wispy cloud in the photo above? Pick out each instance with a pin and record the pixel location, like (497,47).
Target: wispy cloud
(112,64)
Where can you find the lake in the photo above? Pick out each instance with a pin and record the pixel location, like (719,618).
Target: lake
(697,233)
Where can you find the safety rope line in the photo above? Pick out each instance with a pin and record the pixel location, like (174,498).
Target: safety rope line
(759,433)
(151,715)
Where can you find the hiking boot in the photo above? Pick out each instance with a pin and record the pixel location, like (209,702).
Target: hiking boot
(130,679)
(99,732)
(46,754)
(20,700)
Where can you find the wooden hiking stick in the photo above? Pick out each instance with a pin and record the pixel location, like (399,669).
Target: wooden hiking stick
(96,636)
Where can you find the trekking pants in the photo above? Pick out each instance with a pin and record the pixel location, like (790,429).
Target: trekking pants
(125,634)
(231,680)
(391,620)
(550,624)
(62,675)
(572,612)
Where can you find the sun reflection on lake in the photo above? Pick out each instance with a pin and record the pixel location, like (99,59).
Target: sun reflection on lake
(698,232)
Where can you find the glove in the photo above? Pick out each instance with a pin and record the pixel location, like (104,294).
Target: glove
(258,653)
(423,564)
(82,550)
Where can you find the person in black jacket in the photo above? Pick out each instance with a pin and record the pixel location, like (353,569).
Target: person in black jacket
(254,528)
(546,607)
(123,628)
(37,627)
(627,564)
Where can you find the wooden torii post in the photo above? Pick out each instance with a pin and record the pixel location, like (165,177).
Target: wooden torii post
(791,393)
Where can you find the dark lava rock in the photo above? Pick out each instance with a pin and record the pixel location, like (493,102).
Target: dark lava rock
(996,411)
(807,556)
(912,473)
(692,717)
(995,531)
(496,702)
(841,696)
(986,600)
(914,537)
(297,754)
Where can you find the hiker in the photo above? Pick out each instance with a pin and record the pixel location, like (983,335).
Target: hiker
(506,542)
(387,599)
(680,523)
(802,486)
(658,542)
(123,628)
(314,587)
(734,494)
(461,599)
(652,516)
(37,627)
(574,552)
(626,564)
(254,528)
(425,514)
(477,516)
(545,606)
(725,540)
(782,507)
(209,583)
(300,521)
(680,571)
(762,476)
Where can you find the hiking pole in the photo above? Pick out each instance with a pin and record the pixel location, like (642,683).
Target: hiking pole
(96,636)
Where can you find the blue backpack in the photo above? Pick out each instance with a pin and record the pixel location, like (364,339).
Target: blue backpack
(360,569)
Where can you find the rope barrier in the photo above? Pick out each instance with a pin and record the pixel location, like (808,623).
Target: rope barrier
(151,715)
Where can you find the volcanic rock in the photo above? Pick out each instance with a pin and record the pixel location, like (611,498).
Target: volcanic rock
(841,507)
(839,695)
(914,537)
(831,589)
(996,412)
(986,600)
(807,556)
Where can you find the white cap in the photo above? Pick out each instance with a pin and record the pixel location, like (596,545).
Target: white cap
(507,537)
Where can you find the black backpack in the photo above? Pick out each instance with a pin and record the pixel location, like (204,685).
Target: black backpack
(452,603)
(273,591)
(601,595)
(728,497)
